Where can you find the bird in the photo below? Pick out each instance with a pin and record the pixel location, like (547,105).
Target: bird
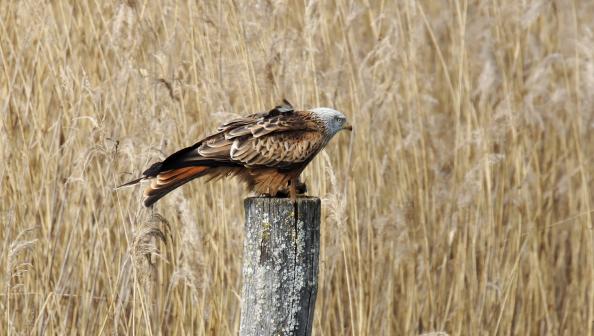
(268,151)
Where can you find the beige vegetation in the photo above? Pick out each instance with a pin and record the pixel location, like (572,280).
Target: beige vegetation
(461,204)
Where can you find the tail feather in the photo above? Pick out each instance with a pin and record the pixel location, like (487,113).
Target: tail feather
(173,173)
(176,170)
(168,180)
(130,183)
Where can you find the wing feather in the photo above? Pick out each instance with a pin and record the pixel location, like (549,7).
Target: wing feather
(277,139)
(279,150)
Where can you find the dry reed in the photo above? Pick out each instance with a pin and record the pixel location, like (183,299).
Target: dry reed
(460,205)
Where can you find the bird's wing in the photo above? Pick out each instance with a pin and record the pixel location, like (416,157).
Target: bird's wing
(277,149)
(285,109)
(280,138)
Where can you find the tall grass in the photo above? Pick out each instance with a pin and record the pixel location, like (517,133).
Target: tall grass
(461,203)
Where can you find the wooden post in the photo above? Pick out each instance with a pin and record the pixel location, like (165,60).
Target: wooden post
(280,266)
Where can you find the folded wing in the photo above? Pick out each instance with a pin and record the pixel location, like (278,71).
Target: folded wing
(274,140)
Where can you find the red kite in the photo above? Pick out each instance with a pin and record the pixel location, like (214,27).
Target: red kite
(268,151)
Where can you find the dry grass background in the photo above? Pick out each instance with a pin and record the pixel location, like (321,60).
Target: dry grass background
(461,204)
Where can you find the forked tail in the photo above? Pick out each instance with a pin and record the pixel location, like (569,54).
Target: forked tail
(166,181)
(163,182)
(178,169)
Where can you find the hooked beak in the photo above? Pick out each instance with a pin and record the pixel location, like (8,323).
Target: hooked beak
(347,126)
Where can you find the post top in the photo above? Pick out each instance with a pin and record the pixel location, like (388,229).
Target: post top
(281,200)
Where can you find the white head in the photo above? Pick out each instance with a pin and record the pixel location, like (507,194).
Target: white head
(333,120)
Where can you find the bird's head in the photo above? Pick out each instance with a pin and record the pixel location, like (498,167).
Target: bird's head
(332,119)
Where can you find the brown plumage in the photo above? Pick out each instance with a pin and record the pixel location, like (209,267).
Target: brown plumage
(268,151)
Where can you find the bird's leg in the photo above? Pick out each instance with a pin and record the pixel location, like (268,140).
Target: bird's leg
(293,186)
(293,189)
(301,187)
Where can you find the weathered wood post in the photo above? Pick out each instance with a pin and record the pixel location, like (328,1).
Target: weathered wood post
(280,266)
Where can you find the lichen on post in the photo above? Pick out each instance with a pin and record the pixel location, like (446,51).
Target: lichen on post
(280,266)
